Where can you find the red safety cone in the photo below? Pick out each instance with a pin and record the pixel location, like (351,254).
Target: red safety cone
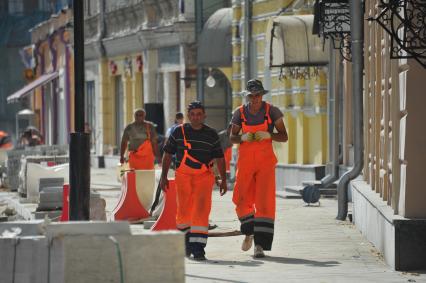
(167,219)
(129,207)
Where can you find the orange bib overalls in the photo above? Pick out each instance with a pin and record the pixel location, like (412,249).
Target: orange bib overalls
(194,185)
(254,190)
(143,158)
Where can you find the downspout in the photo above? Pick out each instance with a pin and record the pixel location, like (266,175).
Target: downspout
(67,81)
(53,94)
(198,29)
(247,40)
(333,113)
(102,29)
(357,43)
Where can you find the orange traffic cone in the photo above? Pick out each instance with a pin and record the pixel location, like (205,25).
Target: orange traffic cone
(129,207)
(167,219)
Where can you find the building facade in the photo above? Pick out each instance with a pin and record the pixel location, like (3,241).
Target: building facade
(16,18)
(388,203)
(300,90)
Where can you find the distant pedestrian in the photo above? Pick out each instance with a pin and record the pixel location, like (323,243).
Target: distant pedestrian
(140,139)
(31,137)
(196,146)
(178,121)
(254,190)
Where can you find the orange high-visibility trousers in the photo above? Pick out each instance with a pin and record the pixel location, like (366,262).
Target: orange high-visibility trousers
(254,194)
(194,198)
(143,158)
(254,189)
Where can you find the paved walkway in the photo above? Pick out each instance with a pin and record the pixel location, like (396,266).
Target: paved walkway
(309,246)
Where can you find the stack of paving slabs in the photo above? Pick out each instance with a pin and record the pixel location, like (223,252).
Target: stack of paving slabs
(88,251)
(50,193)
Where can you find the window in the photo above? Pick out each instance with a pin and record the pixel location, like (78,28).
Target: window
(16,7)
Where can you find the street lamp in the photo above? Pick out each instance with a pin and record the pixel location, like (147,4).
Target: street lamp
(79,141)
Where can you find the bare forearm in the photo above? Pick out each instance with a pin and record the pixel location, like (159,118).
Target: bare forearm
(279,137)
(220,162)
(123,147)
(156,150)
(165,164)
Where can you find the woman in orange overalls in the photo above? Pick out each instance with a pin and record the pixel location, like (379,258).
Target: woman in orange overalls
(196,145)
(254,190)
(140,139)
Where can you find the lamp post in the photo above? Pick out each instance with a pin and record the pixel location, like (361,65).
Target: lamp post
(79,140)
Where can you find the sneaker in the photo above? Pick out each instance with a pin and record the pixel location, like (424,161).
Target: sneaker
(247,243)
(200,257)
(258,252)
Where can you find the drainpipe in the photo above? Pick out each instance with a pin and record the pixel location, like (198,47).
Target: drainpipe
(67,90)
(247,40)
(53,93)
(357,43)
(198,29)
(333,113)
(101,27)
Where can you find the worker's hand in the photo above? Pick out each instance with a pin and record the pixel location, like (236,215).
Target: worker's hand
(223,187)
(247,137)
(122,160)
(217,180)
(164,183)
(262,135)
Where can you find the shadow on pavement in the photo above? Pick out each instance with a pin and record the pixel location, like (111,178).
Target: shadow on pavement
(214,279)
(289,260)
(234,262)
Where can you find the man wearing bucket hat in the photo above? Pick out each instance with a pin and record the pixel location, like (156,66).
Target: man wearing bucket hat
(253,127)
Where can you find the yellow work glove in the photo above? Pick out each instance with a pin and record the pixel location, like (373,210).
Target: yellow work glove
(247,137)
(261,135)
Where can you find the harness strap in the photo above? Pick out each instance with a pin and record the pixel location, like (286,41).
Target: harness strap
(267,116)
(185,143)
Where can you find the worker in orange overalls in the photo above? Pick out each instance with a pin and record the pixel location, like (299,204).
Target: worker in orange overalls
(196,145)
(140,139)
(254,190)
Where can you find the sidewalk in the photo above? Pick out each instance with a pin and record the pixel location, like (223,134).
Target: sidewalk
(309,246)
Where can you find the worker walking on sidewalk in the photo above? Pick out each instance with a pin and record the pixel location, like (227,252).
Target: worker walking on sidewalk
(140,138)
(254,190)
(196,145)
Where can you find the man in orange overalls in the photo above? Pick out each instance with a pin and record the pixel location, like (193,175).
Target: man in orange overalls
(254,190)
(196,145)
(140,138)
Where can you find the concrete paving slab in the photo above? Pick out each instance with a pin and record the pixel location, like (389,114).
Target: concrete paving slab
(309,246)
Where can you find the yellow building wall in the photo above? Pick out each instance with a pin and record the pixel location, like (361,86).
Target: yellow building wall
(307,129)
(132,91)
(107,103)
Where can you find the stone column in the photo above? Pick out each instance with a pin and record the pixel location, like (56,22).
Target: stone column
(150,69)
